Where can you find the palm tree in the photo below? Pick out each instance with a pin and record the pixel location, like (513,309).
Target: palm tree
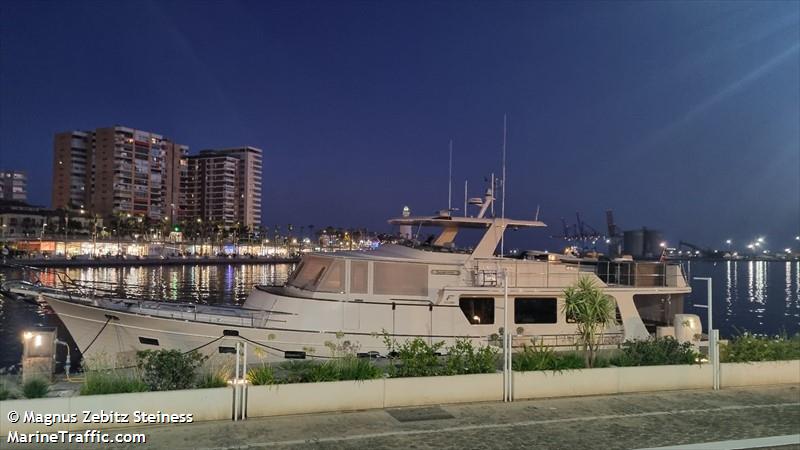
(593,311)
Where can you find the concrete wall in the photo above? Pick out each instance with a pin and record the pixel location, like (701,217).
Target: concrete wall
(759,373)
(438,390)
(203,404)
(382,393)
(303,398)
(610,380)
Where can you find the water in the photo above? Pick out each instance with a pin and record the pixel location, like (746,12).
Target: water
(221,285)
(762,297)
(757,296)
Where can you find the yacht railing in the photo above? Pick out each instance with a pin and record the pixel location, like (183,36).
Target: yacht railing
(191,312)
(564,340)
(543,274)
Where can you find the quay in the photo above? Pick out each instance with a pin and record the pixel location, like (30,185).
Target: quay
(145,261)
(752,417)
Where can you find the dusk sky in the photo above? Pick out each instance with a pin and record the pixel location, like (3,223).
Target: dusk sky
(680,116)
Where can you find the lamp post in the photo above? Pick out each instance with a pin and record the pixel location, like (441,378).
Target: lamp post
(713,354)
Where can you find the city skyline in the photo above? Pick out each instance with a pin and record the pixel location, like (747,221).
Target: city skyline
(354,110)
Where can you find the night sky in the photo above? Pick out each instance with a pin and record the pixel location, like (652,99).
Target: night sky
(680,116)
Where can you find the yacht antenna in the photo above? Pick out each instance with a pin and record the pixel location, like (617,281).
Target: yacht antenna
(491,191)
(503,184)
(450,180)
(465,198)
(537,213)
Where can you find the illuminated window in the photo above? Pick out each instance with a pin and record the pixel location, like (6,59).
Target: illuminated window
(478,310)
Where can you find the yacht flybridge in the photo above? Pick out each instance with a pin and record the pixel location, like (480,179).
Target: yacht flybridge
(431,291)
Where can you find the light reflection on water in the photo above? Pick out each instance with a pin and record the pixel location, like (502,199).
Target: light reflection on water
(758,296)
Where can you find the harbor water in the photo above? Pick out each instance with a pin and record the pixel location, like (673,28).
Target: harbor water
(757,296)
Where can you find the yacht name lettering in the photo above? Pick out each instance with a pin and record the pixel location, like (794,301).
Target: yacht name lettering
(445,272)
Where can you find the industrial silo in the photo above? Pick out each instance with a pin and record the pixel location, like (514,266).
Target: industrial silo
(633,243)
(652,243)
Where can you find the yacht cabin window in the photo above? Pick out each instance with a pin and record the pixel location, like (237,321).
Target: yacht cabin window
(392,278)
(535,310)
(316,273)
(478,310)
(333,278)
(359,271)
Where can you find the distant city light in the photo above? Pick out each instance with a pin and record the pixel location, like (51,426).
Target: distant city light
(787,250)
(750,246)
(663,244)
(761,239)
(728,242)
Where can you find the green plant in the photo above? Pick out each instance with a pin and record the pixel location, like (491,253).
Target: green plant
(538,357)
(4,393)
(164,370)
(261,375)
(749,347)
(593,311)
(98,382)
(353,368)
(416,357)
(209,380)
(295,371)
(35,388)
(464,358)
(656,352)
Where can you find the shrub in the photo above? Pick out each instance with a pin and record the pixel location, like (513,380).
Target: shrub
(165,370)
(100,382)
(209,380)
(296,371)
(35,388)
(416,358)
(464,358)
(353,368)
(749,347)
(4,393)
(537,357)
(261,375)
(656,352)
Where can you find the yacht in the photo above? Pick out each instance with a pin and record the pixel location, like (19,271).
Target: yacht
(401,290)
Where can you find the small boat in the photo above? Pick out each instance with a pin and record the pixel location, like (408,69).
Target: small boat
(401,290)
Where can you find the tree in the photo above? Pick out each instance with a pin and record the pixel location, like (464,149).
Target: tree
(593,311)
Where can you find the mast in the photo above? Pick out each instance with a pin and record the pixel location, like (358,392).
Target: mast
(503,183)
(450,180)
(465,198)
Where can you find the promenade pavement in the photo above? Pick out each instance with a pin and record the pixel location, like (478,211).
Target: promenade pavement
(631,421)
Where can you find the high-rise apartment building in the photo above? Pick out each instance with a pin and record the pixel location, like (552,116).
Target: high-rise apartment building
(224,186)
(119,170)
(72,169)
(13,185)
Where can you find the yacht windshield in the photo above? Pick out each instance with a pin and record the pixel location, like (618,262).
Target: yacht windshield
(319,274)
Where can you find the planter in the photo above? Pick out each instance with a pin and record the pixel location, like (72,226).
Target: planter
(546,383)
(610,380)
(759,373)
(303,398)
(417,391)
(203,404)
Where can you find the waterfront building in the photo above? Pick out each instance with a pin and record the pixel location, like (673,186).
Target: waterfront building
(21,220)
(13,185)
(223,186)
(119,171)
